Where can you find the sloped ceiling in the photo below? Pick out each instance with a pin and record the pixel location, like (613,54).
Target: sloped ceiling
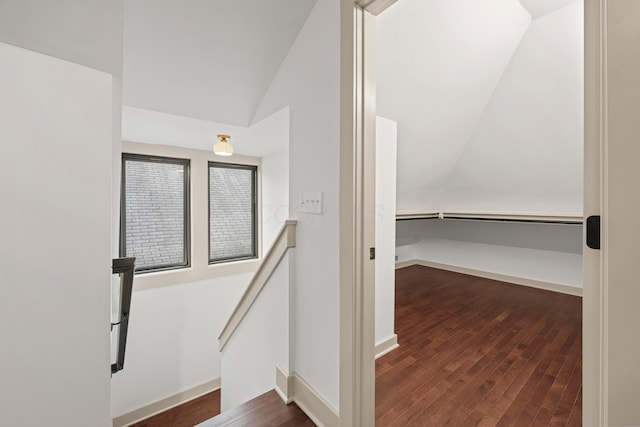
(441,68)
(538,8)
(526,151)
(438,65)
(87,32)
(206,59)
(263,138)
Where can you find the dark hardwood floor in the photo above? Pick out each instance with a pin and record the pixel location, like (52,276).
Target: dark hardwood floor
(265,410)
(473,352)
(477,352)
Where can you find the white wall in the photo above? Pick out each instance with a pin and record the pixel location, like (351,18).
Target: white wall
(438,65)
(545,252)
(259,344)
(274,131)
(56,128)
(173,339)
(550,237)
(275,195)
(308,82)
(386,145)
(559,268)
(525,153)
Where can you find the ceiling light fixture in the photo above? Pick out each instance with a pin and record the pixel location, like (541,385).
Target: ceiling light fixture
(223,147)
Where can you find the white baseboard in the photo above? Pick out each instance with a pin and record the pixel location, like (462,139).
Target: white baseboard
(556,287)
(407,263)
(284,385)
(166,403)
(386,346)
(293,388)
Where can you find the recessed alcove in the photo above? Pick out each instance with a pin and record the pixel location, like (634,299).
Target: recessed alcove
(488,99)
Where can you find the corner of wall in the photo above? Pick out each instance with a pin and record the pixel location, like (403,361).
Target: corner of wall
(293,388)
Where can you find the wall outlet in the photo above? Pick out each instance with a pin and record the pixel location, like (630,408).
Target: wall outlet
(396,257)
(310,202)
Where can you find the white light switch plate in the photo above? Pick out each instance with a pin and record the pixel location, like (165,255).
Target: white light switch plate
(310,202)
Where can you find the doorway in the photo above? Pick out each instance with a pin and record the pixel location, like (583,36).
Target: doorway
(594,397)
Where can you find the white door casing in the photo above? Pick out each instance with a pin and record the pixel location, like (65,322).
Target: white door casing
(357,221)
(620,199)
(592,300)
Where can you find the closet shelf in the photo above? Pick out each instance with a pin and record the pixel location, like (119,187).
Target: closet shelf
(402,215)
(534,217)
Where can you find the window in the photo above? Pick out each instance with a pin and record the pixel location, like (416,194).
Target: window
(154,223)
(232,212)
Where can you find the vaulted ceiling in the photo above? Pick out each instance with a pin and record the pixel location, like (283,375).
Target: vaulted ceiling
(488,99)
(538,8)
(486,93)
(206,59)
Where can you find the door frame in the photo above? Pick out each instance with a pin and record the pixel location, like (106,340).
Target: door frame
(357,216)
(594,310)
(357,181)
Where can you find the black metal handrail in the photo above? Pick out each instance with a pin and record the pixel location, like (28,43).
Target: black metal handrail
(125,267)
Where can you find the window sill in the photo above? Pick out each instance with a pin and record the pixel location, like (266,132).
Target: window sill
(191,274)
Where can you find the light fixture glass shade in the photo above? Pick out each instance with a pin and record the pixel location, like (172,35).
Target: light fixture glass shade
(223,147)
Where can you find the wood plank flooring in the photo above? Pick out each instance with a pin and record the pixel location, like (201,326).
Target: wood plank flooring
(473,352)
(477,352)
(265,410)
